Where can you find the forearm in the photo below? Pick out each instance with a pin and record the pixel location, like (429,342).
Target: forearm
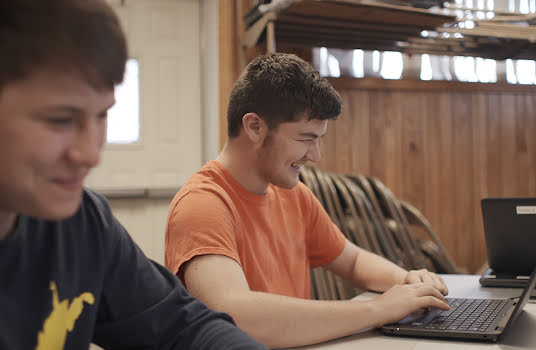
(219,333)
(373,272)
(280,321)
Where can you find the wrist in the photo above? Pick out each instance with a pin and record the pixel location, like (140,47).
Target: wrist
(401,275)
(374,312)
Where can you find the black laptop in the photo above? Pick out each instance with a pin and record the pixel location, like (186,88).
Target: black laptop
(510,232)
(481,319)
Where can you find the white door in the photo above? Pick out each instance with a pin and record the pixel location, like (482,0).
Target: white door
(164,36)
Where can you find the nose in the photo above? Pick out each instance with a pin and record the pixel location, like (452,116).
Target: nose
(87,144)
(313,153)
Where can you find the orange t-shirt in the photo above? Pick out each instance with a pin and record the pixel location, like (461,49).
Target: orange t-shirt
(276,238)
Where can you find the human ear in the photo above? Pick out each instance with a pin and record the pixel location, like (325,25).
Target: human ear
(254,127)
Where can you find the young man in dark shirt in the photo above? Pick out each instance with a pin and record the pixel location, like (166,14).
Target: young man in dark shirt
(69,272)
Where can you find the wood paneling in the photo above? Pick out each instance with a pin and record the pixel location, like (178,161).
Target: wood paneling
(369,83)
(229,54)
(441,149)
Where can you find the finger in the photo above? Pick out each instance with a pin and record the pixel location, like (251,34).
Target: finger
(440,284)
(413,277)
(427,302)
(428,290)
(433,302)
(428,278)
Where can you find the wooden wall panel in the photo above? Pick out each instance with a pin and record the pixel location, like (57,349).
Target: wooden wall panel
(441,149)
(231,29)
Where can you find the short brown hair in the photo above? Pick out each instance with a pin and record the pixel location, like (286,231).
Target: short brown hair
(83,36)
(280,88)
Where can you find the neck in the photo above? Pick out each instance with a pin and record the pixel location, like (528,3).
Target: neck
(7,225)
(239,160)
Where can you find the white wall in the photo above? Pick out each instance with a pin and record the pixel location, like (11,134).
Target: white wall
(175,42)
(164,36)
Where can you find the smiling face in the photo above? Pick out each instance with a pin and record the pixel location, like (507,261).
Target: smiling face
(52,129)
(286,149)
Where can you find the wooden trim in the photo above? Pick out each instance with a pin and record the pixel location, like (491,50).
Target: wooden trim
(231,32)
(368,83)
(228,41)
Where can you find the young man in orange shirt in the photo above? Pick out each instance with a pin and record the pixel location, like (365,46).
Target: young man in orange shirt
(243,232)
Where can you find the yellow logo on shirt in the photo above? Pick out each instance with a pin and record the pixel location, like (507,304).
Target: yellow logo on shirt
(61,320)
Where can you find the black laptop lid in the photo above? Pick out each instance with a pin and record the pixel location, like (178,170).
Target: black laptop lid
(523,300)
(510,230)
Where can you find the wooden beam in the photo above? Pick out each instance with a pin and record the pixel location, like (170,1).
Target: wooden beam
(368,83)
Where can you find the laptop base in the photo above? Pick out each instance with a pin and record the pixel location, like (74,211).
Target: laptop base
(508,280)
(424,333)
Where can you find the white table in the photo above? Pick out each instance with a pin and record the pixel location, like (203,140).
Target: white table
(521,336)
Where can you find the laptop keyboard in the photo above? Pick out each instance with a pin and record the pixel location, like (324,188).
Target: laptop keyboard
(468,315)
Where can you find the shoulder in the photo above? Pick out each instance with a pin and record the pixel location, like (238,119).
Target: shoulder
(208,185)
(95,208)
(94,222)
(91,200)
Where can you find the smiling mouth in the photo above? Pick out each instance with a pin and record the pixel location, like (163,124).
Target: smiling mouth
(296,166)
(70,184)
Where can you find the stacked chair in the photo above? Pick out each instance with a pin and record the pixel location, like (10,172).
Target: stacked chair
(369,215)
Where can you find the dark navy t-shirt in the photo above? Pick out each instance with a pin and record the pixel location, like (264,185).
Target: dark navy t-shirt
(65,284)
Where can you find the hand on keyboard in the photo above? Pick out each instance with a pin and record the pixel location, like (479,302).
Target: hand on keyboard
(402,300)
(426,277)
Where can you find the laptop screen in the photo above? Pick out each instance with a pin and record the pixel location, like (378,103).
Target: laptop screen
(509,226)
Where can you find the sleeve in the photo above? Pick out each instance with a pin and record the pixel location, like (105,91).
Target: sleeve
(143,305)
(325,241)
(199,223)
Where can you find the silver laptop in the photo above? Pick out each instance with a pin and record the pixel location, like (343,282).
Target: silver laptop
(481,319)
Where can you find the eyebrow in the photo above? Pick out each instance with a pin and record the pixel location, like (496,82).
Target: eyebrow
(311,134)
(72,109)
(61,108)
